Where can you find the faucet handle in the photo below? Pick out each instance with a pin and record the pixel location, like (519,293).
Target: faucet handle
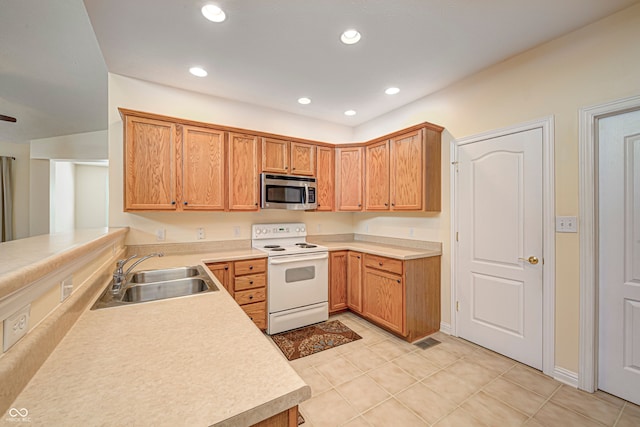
(122,262)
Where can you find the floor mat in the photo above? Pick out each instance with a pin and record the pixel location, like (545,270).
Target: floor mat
(313,339)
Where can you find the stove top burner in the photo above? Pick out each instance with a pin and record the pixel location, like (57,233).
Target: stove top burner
(276,249)
(271,246)
(306,245)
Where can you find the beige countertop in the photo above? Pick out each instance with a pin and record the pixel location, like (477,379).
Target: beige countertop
(24,261)
(196,360)
(397,252)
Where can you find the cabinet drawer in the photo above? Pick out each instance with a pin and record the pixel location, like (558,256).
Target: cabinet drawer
(250,281)
(257,312)
(250,266)
(250,296)
(383,263)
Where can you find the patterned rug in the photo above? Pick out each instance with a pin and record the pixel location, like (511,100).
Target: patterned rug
(313,339)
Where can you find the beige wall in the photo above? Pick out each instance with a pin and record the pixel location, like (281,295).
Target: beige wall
(139,95)
(78,146)
(91,185)
(595,64)
(20,172)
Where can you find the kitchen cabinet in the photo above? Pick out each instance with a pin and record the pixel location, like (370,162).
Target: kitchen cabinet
(349,178)
(246,282)
(224,273)
(407,165)
(203,171)
(354,281)
(173,167)
(288,157)
(338,278)
(325,175)
(243,190)
(377,177)
(384,296)
(402,296)
(150,149)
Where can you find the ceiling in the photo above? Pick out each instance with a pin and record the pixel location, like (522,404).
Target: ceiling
(268,53)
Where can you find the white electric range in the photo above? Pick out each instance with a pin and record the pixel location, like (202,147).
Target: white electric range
(298,276)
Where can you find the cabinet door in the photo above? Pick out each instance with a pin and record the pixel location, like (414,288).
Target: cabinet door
(149,164)
(224,273)
(275,155)
(337,281)
(243,172)
(203,177)
(303,159)
(377,177)
(354,282)
(383,299)
(407,172)
(349,170)
(325,178)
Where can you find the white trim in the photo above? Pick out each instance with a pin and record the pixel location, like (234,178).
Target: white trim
(566,376)
(445,328)
(588,117)
(548,233)
(453,183)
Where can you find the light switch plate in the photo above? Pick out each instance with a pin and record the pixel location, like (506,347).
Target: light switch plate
(15,327)
(566,224)
(200,233)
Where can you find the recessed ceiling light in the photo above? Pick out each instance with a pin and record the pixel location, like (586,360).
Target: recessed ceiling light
(350,113)
(391,90)
(304,100)
(198,72)
(350,37)
(213,13)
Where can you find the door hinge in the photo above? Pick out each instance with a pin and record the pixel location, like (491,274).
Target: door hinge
(457,305)
(456,236)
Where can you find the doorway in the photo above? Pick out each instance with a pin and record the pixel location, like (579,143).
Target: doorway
(610,248)
(504,243)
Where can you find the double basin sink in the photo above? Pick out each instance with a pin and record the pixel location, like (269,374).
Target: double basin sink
(152,285)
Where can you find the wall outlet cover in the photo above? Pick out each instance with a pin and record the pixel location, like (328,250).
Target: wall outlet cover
(15,327)
(566,224)
(200,233)
(66,287)
(160,236)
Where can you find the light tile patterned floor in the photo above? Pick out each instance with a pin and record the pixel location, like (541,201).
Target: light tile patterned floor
(381,380)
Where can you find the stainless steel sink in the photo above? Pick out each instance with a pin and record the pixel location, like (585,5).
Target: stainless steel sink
(153,285)
(150,276)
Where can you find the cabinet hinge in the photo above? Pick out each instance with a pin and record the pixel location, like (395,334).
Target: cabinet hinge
(457,305)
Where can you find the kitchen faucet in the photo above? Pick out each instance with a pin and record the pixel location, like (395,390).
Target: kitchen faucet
(119,276)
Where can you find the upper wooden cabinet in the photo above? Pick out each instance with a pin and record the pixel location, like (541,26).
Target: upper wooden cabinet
(325,192)
(403,173)
(349,178)
(286,157)
(377,178)
(243,191)
(203,173)
(150,150)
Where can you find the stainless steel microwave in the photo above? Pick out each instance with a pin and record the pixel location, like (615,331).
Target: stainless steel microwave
(291,192)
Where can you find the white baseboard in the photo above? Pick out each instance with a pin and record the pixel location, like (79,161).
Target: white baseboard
(445,328)
(566,376)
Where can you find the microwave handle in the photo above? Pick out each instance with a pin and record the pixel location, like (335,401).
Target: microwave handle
(306,193)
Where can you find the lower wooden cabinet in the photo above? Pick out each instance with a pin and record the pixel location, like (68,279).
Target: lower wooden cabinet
(402,297)
(354,281)
(246,282)
(338,281)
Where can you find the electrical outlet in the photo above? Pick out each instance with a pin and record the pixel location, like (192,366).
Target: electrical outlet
(15,327)
(566,224)
(236,231)
(411,231)
(319,228)
(200,233)
(366,228)
(160,235)
(66,287)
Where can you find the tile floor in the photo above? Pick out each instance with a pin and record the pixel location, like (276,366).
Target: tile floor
(381,380)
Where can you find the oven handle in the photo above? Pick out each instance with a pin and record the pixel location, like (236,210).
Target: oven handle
(290,259)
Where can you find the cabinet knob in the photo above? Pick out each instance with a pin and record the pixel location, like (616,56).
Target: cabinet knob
(393,204)
(186,203)
(226,267)
(359,205)
(380,264)
(256,204)
(251,282)
(286,167)
(250,296)
(358,256)
(398,281)
(173,202)
(386,204)
(251,267)
(293,168)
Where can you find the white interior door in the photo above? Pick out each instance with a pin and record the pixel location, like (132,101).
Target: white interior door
(619,255)
(499,254)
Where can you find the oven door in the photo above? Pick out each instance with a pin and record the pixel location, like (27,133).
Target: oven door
(297,281)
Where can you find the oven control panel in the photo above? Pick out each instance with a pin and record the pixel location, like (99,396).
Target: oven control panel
(276,231)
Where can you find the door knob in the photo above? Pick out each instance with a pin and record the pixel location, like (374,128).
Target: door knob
(531,260)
